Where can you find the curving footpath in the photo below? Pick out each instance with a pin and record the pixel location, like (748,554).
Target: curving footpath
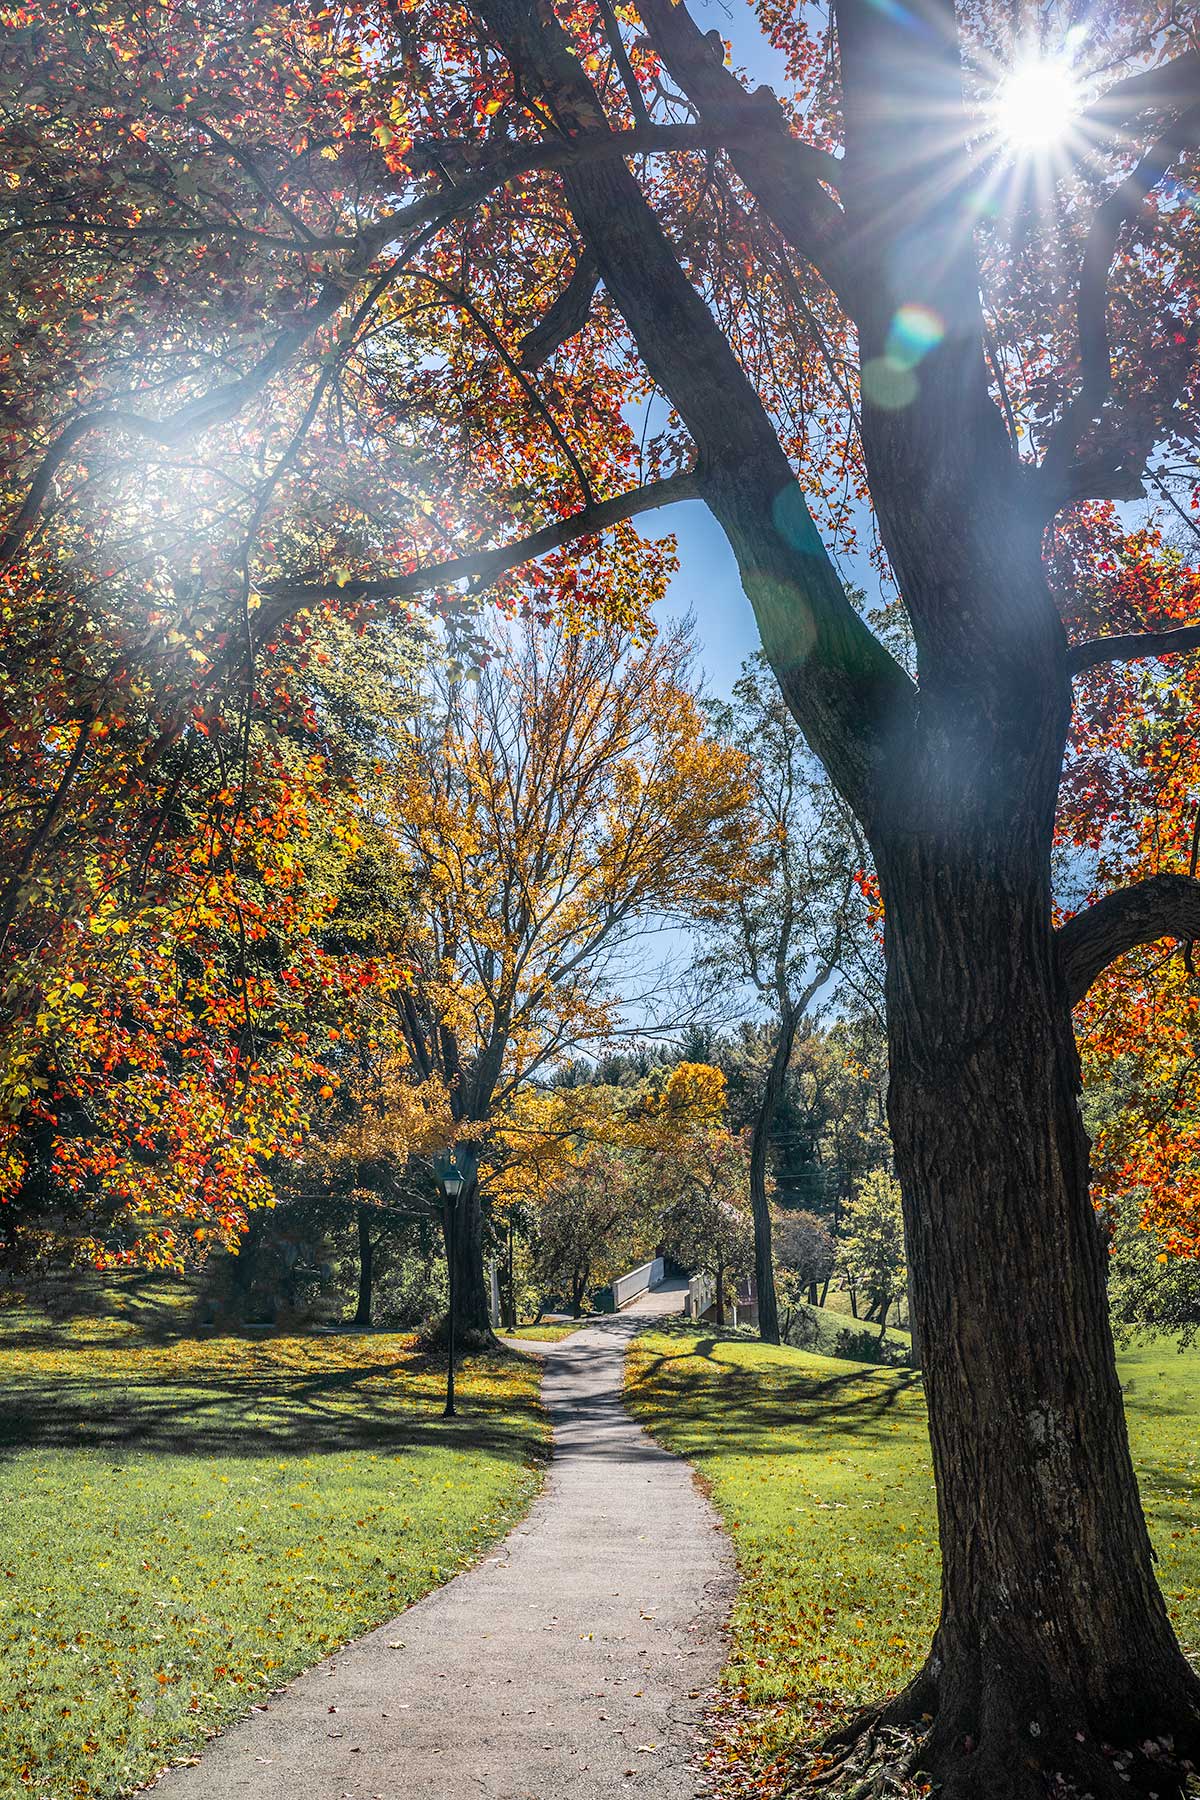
(571,1664)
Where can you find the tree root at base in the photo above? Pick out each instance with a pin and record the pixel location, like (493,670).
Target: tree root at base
(909,1747)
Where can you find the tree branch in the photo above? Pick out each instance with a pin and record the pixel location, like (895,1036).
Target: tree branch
(209,409)
(620,56)
(849,695)
(1095,362)
(199,414)
(481,565)
(1162,906)
(784,175)
(467,177)
(427,215)
(1133,646)
(598,144)
(564,318)
(207,229)
(1172,84)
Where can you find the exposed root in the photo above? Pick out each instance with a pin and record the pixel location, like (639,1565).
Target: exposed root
(880,1765)
(983,1745)
(912,1706)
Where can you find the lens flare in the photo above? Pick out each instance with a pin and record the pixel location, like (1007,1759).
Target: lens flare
(914,332)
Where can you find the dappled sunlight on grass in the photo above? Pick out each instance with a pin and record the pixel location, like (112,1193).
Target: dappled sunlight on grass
(821,1471)
(185,1524)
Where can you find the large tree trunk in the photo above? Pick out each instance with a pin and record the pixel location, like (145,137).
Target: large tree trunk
(472,1288)
(366,1268)
(764,1268)
(1053,1640)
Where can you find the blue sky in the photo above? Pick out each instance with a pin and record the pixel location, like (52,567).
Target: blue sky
(708,587)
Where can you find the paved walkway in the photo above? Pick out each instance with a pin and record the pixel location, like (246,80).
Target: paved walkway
(570,1665)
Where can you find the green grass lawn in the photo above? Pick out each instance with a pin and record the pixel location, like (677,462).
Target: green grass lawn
(186,1524)
(821,1471)
(546,1334)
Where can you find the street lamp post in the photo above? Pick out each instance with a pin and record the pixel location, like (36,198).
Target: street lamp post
(451,1177)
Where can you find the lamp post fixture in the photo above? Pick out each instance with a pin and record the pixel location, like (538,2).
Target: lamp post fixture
(451,1174)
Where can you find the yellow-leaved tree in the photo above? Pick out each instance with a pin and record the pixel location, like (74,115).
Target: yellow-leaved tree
(544,819)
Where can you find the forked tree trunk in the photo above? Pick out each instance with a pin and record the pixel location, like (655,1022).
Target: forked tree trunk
(764,1268)
(1053,1640)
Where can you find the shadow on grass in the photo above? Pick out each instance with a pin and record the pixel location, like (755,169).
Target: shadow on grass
(95,1312)
(752,1406)
(253,1406)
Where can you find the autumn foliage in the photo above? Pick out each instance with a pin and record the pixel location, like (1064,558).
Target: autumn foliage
(1128,811)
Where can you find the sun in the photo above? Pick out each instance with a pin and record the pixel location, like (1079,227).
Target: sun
(1035,105)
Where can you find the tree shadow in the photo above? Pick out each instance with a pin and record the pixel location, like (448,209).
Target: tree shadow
(750,1407)
(251,1405)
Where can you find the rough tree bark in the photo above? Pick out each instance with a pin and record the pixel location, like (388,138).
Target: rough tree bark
(1053,1640)
(473,1301)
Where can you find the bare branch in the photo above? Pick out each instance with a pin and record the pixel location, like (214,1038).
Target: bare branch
(1133,646)
(1162,906)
